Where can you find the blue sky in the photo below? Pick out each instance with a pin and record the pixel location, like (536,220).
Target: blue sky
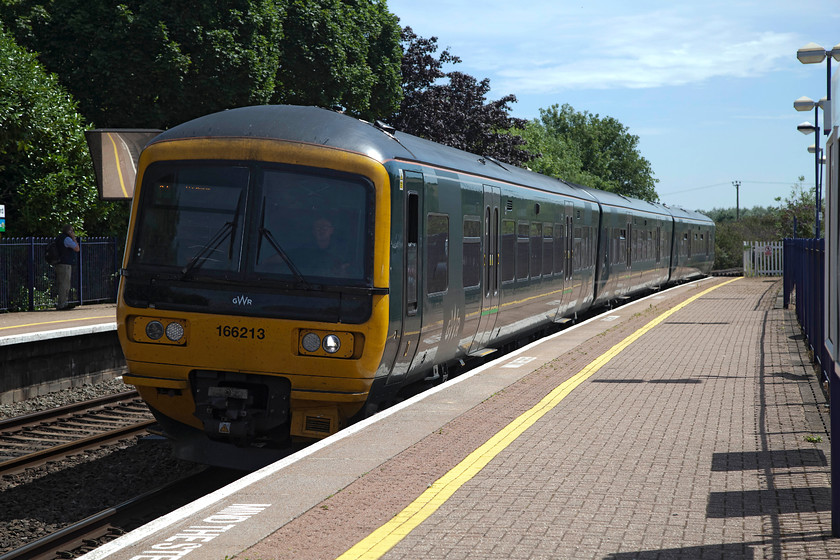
(707,86)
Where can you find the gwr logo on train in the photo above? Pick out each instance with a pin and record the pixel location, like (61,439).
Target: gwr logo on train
(367,253)
(242,300)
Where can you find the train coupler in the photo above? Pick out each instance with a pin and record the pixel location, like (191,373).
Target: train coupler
(242,409)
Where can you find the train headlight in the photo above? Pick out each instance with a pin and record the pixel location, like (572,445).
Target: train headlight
(331,344)
(311,342)
(157,330)
(154,330)
(174,331)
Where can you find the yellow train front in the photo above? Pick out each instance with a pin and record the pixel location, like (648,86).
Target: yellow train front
(253,304)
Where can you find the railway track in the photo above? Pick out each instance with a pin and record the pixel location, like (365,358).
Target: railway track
(32,440)
(85,535)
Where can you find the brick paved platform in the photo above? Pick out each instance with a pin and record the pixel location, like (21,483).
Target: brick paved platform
(705,437)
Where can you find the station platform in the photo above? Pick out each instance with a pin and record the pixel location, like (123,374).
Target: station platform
(46,351)
(16,328)
(688,424)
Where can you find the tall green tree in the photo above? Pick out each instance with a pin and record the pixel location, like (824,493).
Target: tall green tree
(451,108)
(153,63)
(340,53)
(596,151)
(156,63)
(797,212)
(46,175)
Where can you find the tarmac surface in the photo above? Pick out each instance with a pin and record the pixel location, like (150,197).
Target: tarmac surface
(688,425)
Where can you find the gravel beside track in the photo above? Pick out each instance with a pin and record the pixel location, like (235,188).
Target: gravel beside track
(47,498)
(61,398)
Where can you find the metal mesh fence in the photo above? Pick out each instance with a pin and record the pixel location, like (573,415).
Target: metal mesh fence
(27,282)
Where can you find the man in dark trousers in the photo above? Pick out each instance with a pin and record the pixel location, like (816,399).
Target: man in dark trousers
(68,246)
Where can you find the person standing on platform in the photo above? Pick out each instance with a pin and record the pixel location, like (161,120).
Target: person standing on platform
(68,246)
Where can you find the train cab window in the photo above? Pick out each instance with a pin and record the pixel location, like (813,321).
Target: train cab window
(189,214)
(472,252)
(548,249)
(316,226)
(437,253)
(522,250)
(508,252)
(536,249)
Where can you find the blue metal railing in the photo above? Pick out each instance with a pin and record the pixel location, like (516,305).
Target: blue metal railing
(27,282)
(804,268)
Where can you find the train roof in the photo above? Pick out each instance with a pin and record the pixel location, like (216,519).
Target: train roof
(688,215)
(314,125)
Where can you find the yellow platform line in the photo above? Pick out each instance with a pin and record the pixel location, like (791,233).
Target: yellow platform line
(391,533)
(57,321)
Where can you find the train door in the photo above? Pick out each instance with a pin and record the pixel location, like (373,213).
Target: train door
(570,290)
(411,314)
(490,273)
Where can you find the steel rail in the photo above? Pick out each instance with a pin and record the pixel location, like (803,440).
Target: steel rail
(36,417)
(17,464)
(95,527)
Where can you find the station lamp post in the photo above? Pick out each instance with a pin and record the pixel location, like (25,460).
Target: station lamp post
(806,104)
(813,53)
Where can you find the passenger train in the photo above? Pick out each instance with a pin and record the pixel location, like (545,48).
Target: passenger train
(290,270)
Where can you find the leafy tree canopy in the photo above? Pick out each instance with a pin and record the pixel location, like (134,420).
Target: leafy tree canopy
(340,53)
(591,150)
(794,217)
(157,63)
(46,176)
(451,108)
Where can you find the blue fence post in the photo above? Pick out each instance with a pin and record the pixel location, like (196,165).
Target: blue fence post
(31,273)
(787,280)
(81,270)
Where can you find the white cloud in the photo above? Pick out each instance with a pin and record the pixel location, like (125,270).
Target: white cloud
(652,50)
(545,47)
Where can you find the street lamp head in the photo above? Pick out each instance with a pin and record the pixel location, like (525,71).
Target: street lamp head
(835,52)
(811,53)
(812,149)
(804,104)
(806,128)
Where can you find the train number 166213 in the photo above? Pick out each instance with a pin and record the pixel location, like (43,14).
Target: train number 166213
(240,332)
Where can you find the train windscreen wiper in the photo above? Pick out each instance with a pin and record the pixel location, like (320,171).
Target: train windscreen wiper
(298,276)
(227,230)
(203,253)
(266,233)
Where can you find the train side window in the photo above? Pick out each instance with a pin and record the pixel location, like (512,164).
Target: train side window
(522,251)
(437,253)
(560,248)
(412,220)
(577,251)
(658,244)
(548,249)
(472,251)
(536,249)
(508,250)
